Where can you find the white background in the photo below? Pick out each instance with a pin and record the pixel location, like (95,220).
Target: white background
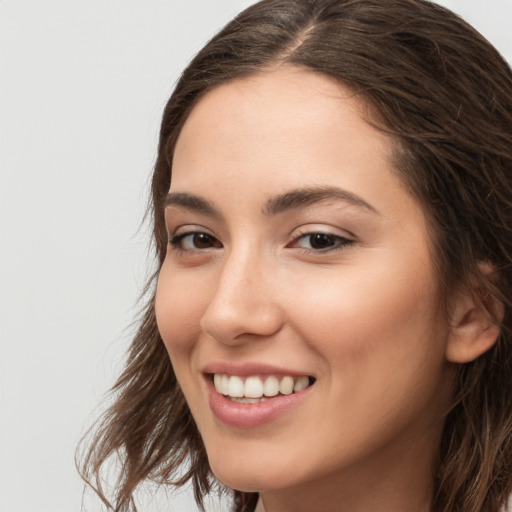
(82,88)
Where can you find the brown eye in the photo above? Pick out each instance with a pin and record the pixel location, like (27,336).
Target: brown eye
(194,241)
(202,241)
(322,241)
(319,242)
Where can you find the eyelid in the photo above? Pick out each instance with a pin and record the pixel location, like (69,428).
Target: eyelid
(309,229)
(180,234)
(341,241)
(342,238)
(188,229)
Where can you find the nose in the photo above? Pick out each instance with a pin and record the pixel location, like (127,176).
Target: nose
(244,303)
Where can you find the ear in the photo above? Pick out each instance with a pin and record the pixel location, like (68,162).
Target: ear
(474,329)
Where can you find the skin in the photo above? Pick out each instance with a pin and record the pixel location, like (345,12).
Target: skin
(362,316)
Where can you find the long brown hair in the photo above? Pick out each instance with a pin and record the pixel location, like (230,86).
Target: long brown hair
(446,96)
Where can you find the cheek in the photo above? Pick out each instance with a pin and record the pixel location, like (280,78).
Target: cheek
(381,338)
(369,323)
(179,306)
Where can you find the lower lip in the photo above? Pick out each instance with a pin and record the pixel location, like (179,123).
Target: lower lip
(240,415)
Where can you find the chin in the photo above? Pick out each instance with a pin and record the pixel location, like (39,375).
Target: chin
(255,469)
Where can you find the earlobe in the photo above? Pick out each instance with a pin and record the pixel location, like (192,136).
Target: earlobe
(474,329)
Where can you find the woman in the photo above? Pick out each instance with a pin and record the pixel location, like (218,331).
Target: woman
(332,209)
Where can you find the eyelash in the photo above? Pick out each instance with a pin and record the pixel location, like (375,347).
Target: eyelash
(338,242)
(176,241)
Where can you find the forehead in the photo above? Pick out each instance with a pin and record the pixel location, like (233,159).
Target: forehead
(288,94)
(284,129)
(279,118)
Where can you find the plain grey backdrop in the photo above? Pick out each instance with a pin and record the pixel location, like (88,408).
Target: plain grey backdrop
(82,88)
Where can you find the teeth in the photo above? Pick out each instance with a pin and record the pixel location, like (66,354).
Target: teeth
(217,381)
(286,386)
(271,386)
(248,400)
(254,389)
(236,387)
(300,384)
(225,385)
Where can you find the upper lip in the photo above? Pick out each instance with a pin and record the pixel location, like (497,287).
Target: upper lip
(251,368)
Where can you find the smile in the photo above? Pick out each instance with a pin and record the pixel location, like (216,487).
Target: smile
(256,389)
(252,407)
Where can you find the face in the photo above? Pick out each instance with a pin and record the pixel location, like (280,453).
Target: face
(298,301)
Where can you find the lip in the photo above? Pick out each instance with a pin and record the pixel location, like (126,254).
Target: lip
(248,369)
(246,416)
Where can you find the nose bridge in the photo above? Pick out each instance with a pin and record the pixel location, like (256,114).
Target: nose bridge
(242,302)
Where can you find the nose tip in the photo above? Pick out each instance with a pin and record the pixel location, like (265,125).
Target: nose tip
(243,304)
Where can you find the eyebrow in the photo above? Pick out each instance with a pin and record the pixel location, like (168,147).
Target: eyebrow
(279,204)
(307,196)
(191,202)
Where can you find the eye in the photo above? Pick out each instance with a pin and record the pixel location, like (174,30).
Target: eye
(319,242)
(194,241)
